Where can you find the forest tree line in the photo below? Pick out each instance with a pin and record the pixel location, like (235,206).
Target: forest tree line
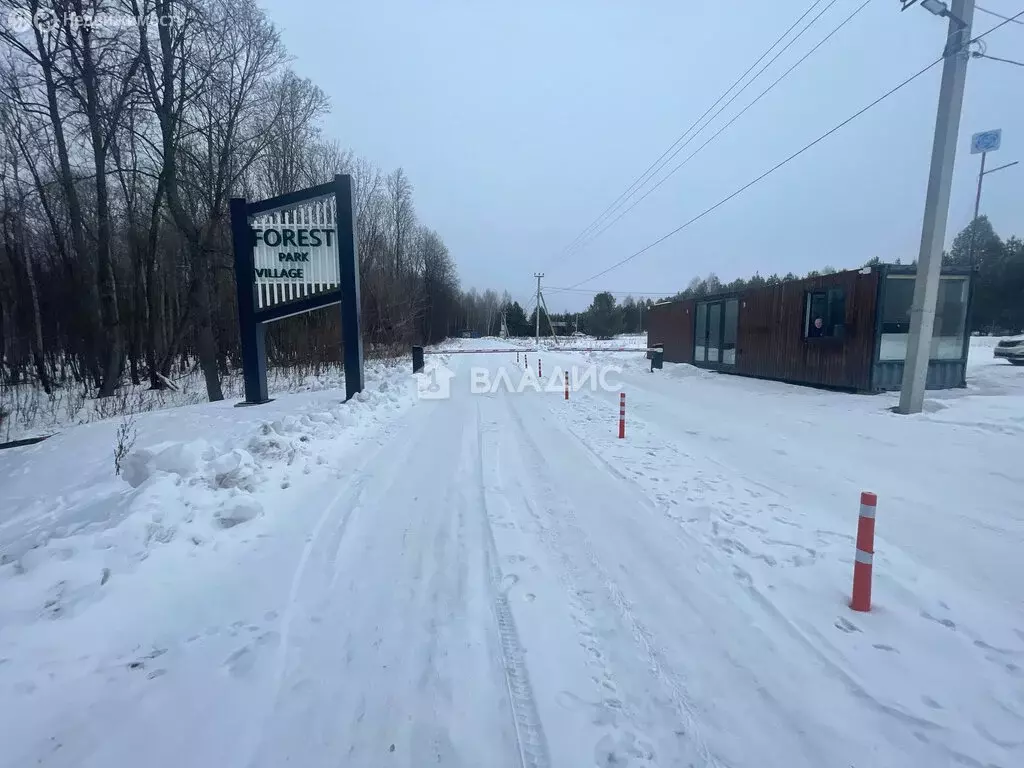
(997,303)
(121,145)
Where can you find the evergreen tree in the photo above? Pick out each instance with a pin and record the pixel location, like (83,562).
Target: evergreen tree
(604,318)
(516,320)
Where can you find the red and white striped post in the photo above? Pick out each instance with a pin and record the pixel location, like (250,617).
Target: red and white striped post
(565,378)
(622,414)
(865,553)
(539,374)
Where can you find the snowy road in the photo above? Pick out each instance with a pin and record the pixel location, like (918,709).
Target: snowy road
(494,580)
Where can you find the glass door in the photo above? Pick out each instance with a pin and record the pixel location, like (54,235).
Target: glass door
(714,340)
(700,334)
(732,311)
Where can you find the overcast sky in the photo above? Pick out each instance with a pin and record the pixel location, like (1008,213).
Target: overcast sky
(520,122)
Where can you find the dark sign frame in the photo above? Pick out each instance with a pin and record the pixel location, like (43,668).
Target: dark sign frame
(252,321)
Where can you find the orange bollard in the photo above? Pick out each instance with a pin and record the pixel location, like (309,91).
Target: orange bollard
(865,553)
(565,378)
(622,414)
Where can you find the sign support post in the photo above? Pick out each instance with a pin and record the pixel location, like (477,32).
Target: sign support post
(253,333)
(348,264)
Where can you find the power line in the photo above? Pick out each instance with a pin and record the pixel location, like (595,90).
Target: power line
(640,179)
(733,120)
(998,15)
(1005,20)
(693,136)
(642,294)
(764,175)
(792,157)
(996,58)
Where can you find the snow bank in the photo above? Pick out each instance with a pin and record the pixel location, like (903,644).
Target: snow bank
(184,494)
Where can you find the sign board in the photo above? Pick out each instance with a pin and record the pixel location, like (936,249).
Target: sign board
(986,141)
(295,253)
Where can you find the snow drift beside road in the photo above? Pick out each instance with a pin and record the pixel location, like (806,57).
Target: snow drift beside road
(179,495)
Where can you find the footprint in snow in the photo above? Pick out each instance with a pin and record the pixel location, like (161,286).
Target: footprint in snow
(944,622)
(613,751)
(241,661)
(986,647)
(846,626)
(742,576)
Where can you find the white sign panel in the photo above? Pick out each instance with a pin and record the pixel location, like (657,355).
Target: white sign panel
(295,253)
(986,141)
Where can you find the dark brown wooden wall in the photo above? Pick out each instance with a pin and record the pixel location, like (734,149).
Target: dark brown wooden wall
(672,325)
(770,339)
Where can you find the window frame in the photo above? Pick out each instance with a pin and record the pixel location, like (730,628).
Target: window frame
(834,298)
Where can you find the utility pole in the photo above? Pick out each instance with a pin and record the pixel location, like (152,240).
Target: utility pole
(538,275)
(936,207)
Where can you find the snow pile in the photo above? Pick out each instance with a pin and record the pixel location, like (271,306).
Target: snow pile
(183,494)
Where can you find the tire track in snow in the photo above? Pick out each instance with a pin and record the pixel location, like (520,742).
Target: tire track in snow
(353,489)
(617,743)
(668,679)
(533,750)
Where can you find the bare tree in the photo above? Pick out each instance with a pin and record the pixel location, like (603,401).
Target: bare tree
(292,141)
(402,215)
(213,128)
(120,147)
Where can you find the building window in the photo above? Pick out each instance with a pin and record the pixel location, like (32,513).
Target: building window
(700,334)
(825,314)
(732,310)
(950,318)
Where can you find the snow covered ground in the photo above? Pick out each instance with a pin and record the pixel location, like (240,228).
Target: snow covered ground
(495,579)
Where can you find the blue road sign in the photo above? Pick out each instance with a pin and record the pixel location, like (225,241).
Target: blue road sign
(986,141)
